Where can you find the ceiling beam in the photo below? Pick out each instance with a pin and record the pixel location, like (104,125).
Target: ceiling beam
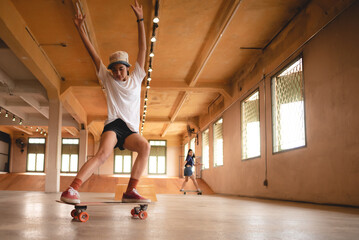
(200,87)
(225,15)
(88,26)
(177,107)
(222,20)
(73,131)
(13,109)
(23,130)
(16,34)
(95,131)
(35,104)
(73,106)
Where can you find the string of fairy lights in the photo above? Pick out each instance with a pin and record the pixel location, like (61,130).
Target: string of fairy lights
(150,67)
(6,113)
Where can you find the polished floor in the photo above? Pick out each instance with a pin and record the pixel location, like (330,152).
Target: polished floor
(36,215)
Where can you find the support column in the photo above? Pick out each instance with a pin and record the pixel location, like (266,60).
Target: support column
(83,147)
(53,147)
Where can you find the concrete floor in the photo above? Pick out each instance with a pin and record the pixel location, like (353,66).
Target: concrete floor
(36,215)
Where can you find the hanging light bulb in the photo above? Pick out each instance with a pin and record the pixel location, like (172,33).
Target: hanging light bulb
(13,118)
(41,131)
(45,134)
(37,129)
(145,110)
(150,70)
(156,20)
(20,121)
(149,79)
(152,54)
(153,39)
(7,114)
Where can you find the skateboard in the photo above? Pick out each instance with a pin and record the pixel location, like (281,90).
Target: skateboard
(80,214)
(186,191)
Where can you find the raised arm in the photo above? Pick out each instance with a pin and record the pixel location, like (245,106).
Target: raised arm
(141,56)
(79,22)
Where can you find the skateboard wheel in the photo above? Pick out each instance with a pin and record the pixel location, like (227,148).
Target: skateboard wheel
(83,216)
(73,213)
(133,212)
(142,215)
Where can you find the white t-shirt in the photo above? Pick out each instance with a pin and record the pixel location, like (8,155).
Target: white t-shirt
(123,97)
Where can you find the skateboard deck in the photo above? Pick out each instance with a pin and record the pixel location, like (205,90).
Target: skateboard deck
(186,191)
(80,214)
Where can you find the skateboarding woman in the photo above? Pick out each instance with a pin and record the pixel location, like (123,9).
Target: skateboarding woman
(123,92)
(188,170)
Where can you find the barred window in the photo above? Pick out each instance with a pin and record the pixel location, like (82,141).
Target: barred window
(288,108)
(123,161)
(192,144)
(185,150)
(157,159)
(70,155)
(36,155)
(205,149)
(218,143)
(250,126)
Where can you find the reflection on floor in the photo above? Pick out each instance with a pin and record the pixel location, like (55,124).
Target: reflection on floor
(36,215)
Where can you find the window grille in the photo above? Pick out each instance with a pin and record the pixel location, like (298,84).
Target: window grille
(218,143)
(205,149)
(123,161)
(288,108)
(157,159)
(250,126)
(36,155)
(70,155)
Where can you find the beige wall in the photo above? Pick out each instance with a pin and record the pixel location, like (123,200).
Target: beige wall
(18,159)
(327,169)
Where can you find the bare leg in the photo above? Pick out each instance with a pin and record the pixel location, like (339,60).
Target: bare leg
(108,142)
(135,142)
(195,182)
(185,181)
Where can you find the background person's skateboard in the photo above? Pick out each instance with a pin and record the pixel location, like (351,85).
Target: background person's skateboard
(80,214)
(186,191)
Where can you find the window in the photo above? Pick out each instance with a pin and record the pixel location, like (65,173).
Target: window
(36,155)
(288,108)
(250,126)
(185,150)
(157,159)
(70,155)
(123,161)
(192,144)
(205,149)
(218,143)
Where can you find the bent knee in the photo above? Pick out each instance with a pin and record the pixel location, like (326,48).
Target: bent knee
(102,156)
(144,147)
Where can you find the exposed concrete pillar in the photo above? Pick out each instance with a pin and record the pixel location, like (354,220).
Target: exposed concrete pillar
(53,147)
(83,147)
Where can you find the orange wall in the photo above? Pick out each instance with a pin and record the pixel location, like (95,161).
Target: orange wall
(327,169)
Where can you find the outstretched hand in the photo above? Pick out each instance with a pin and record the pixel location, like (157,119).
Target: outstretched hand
(137,8)
(79,19)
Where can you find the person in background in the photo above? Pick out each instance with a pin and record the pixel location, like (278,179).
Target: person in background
(188,170)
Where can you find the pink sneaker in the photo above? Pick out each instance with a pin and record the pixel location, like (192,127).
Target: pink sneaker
(70,196)
(134,197)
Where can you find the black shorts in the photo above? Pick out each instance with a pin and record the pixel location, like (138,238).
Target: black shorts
(122,131)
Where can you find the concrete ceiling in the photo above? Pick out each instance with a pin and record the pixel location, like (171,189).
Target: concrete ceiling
(201,47)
